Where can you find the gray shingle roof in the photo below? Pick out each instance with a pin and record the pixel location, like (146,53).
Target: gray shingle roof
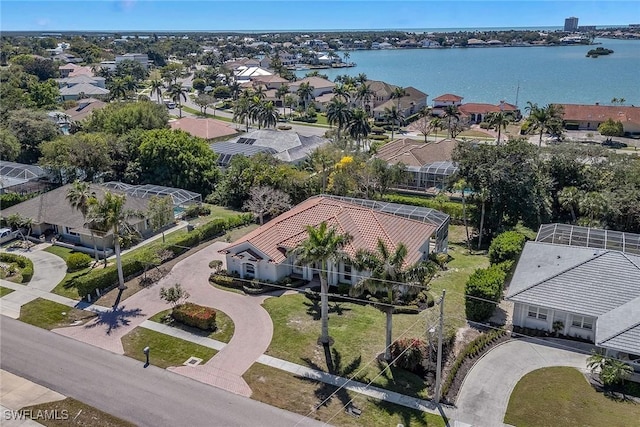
(579,280)
(620,328)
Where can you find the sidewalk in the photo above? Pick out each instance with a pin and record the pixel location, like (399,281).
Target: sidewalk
(16,393)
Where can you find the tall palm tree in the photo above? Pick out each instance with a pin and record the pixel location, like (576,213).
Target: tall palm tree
(395,117)
(242,111)
(130,85)
(483,196)
(594,205)
(118,89)
(461,186)
(543,119)
(305,93)
(359,126)
(398,93)
(451,113)
(109,214)
(498,121)
(364,94)
(342,91)
(259,91)
(289,100)
(282,91)
(269,114)
(79,196)
(177,94)
(346,56)
(156,87)
(338,113)
(323,249)
(569,198)
(388,274)
(360,79)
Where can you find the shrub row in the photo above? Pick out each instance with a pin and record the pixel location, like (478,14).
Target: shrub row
(487,284)
(453,209)
(471,350)
(506,246)
(131,267)
(226,281)
(77,261)
(195,315)
(24,263)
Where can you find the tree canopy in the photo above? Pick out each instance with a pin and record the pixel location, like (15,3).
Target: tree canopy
(121,117)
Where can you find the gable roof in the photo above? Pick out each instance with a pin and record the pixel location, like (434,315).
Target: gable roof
(315,82)
(53,208)
(380,88)
(416,153)
(620,328)
(84,108)
(203,128)
(474,108)
(449,97)
(364,224)
(86,88)
(584,281)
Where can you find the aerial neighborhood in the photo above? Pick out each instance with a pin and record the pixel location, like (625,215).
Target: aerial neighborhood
(225,208)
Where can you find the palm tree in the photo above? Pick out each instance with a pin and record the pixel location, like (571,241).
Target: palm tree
(130,85)
(461,186)
(109,214)
(612,371)
(156,87)
(282,91)
(269,114)
(289,100)
(395,116)
(360,79)
(398,93)
(305,93)
(358,126)
(342,91)
(322,248)
(498,121)
(388,275)
(594,204)
(177,94)
(364,94)
(338,113)
(451,112)
(483,195)
(543,119)
(569,198)
(78,197)
(346,56)
(321,161)
(259,91)
(242,111)
(118,89)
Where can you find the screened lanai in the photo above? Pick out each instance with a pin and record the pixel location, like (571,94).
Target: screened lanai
(597,238)
(432,175)
(15,176)
(179,197)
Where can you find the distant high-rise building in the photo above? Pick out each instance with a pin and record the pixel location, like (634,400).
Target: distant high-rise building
(571,24)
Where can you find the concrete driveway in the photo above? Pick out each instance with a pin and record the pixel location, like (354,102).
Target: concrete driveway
(484,396)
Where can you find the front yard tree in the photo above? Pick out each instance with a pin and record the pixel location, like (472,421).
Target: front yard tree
(160,213)
(611,371)
(174,295)
(323,246)
(498,121)
(611,128)
(79,196)
(389,274)
(265,200)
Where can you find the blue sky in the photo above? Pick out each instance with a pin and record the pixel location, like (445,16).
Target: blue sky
(223,15)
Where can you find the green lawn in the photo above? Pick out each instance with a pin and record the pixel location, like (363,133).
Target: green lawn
(224,324)
(80,414)
(59,251)
(561,396)
(50,315)
(209,115)
(5,291)
(299,395)
(165,350)
(359,334)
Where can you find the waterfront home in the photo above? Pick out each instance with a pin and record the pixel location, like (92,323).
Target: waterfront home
(581,282)
(413,101)
(441,102)
(429,166)
(474,113)
(320,85)
(589,117)
(264,253)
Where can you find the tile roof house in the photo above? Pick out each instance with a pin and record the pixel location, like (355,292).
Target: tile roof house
(411,103)
(52,212)
(589,117)
(429,165)
(203,128)
(447,99)
(320,85)
(580,292)
(287,146)
(264,252)
(477,112)
(84,108)
(73,70)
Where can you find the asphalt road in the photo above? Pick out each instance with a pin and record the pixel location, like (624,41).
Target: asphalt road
(123,387)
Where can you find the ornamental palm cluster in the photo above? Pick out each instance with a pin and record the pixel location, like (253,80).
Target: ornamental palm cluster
(252,107)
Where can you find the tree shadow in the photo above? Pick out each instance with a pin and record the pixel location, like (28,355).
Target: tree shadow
(114,319)
(314,309)
(325,392)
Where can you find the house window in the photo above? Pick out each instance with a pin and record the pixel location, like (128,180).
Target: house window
(582,322)
(249,271)
(537,313)
(346,276)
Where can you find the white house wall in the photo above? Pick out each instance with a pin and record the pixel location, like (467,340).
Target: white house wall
(521,318)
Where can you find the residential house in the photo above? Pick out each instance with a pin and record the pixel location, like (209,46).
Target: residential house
(429,165)
(410,104)
(443,101)
(73,70)
(474,113)
(203,127)
(84,108)
(73,88)
(141,58)
(288,146)
(589,117)
(246,73)
(581,282)
(264,253)
(320,85)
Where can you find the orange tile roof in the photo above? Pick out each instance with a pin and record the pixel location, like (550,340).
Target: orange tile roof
(203,128)
(365,226)
(449,97)
(601,113)
(416,153)
(474,108)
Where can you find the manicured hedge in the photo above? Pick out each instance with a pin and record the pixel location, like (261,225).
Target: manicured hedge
(24,263)
(506,246)
(484,283)
(453,209)
(107,277)
(195,315)
(77,261)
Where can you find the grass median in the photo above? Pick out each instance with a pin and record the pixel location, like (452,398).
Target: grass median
(5,291)
(50,315)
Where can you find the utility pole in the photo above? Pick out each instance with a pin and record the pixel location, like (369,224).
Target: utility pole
(439,360)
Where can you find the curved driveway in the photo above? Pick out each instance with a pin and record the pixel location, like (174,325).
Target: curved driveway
(253,326)
(484,396)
